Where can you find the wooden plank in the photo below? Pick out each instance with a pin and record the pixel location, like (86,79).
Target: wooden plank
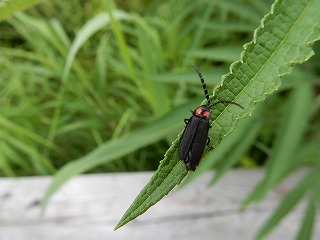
(89,206)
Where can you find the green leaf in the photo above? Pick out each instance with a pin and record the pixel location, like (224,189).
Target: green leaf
(220,53)
(15,128)
(162,182)
(290,200)
(9,7)
(188,77)
(170,173)
(283,39)
(95,24)
(238,8)
(92,26)
(307,223)
(292,129)
(238,151)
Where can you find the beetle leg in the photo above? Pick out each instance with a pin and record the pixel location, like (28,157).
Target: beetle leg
(186,121)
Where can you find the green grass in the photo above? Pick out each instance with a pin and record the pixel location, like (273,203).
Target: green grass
(104,87)
(106,73)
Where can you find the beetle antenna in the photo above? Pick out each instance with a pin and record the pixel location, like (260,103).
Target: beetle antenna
(206,91)
(223,101)
(203,84)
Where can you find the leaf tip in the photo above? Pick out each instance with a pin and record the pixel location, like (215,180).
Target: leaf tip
(121,223)
(117,227)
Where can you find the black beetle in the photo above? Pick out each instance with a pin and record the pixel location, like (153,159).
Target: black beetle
(195,135)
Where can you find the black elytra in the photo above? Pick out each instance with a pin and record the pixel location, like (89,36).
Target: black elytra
(195,135)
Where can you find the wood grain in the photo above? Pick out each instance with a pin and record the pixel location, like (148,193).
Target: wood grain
(89,206)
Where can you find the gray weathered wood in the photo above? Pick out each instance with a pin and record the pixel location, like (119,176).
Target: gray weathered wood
(89,206)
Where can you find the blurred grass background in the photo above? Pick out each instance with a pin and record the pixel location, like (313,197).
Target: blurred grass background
(77,74)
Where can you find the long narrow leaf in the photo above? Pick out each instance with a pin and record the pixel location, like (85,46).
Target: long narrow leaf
(290,200)
(295,121)
(309,219)
(307,223)
(95,24)
(284,38)
(91,27)
(7,8)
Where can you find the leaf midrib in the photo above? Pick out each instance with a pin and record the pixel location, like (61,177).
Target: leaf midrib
(267,61)
(148,197)
(252,79)
(125,220)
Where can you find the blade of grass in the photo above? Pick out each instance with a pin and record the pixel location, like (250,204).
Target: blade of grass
(226,54)
(239,9)
(39,162)
(201,27)
(292,129)
(115,25)
(289,201)
(7,8)
(308,221)
(101,64)
(15,128)
(148,40)
(92,26)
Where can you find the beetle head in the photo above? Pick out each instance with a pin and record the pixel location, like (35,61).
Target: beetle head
(202,111)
